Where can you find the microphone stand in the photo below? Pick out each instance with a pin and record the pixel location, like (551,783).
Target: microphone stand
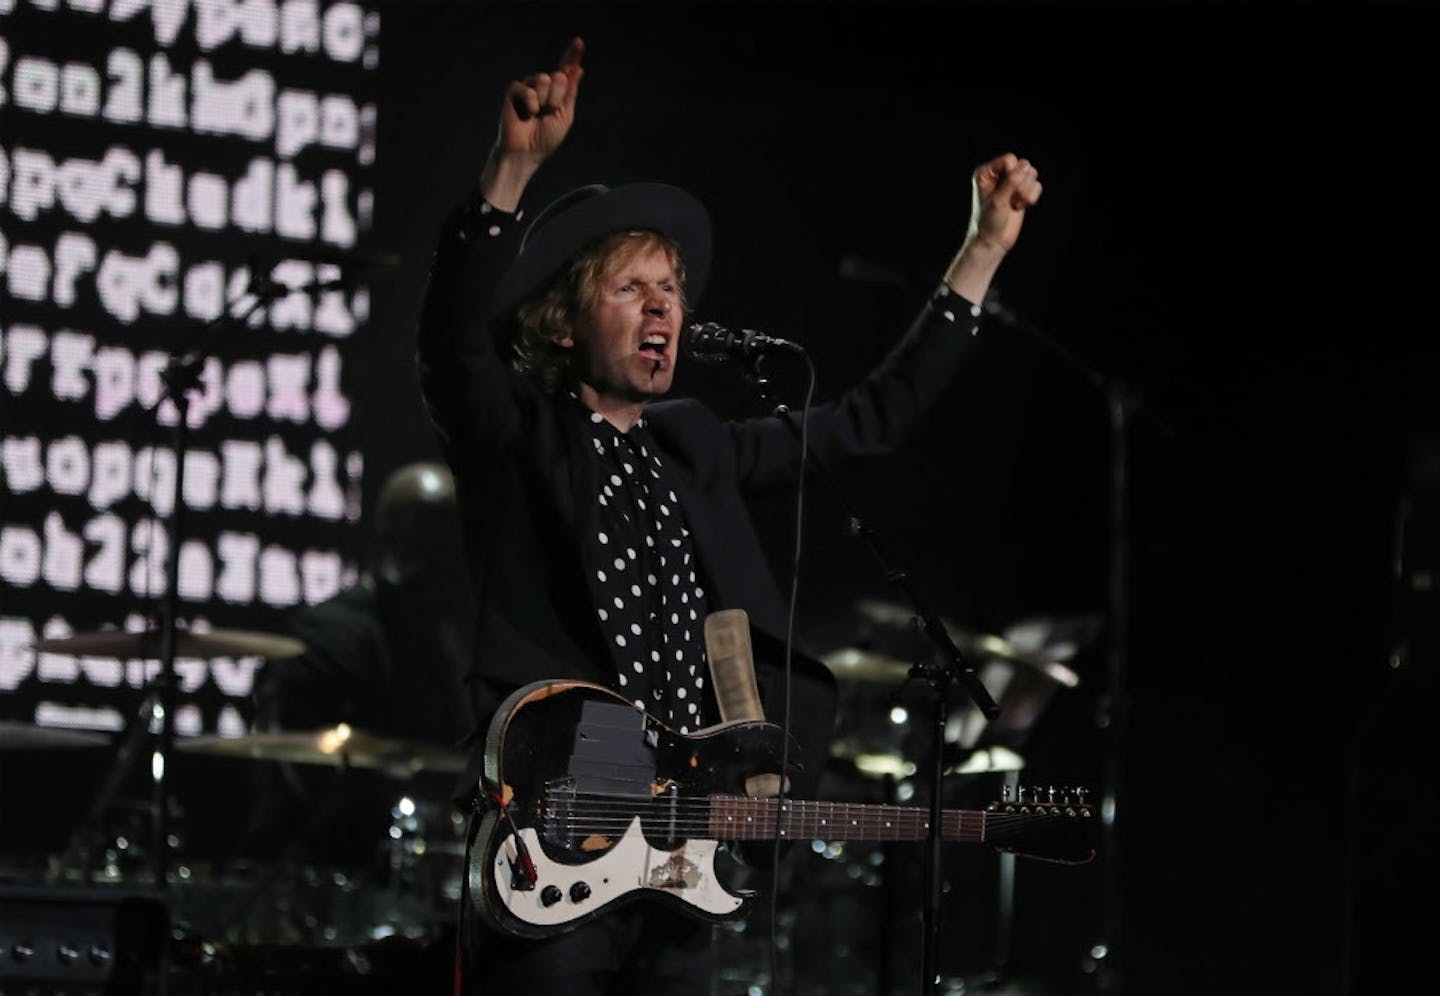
(1113,712)
(939,671)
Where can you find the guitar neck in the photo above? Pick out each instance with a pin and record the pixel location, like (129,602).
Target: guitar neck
(743,818)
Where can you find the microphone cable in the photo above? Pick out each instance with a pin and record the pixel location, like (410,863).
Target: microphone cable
(789,661)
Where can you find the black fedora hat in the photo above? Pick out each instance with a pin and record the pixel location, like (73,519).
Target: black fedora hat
(575,220)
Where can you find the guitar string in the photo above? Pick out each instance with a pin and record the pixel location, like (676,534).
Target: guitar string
(755,801)
(624,819)
(621,798)
(712,817)
(792,817)
(762,831)
(804,818)
(603,803)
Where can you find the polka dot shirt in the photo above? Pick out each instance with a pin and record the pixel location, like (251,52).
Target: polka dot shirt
(648,595)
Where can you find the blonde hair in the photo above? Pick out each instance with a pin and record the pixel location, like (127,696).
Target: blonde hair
(545,321)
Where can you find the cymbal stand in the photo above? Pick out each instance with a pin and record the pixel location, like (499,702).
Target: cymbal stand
(77,853)
(155,723)
(152,725)
(180,376)
(946,667)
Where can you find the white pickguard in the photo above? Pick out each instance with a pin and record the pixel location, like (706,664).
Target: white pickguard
(688,873)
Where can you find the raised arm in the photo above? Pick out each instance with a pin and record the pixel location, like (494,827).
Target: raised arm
(876,415)
(535,118)
(470,391)
(1001,190)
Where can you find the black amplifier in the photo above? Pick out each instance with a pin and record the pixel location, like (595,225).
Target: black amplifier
(57,941)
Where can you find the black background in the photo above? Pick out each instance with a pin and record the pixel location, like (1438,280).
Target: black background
(1237,222)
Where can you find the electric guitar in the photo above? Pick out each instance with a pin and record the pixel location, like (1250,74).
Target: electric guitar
(593,803)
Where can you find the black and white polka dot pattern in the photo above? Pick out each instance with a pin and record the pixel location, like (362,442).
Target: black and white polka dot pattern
(955,309)
(649,597)
(481,218)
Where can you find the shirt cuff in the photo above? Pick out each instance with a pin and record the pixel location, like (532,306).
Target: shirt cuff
(479,219)
(954,308)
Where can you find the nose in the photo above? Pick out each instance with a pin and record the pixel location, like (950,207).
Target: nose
(658,303)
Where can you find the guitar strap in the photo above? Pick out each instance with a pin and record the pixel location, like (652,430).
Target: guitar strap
(732,665)
(732,677)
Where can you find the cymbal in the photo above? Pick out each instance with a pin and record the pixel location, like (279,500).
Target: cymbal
(27,736)
(985,759)
(976,644)
(145,645)
(998,648)
(866,760)
(854,664)
(342,744)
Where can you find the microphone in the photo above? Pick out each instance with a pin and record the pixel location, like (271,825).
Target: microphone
(713,341)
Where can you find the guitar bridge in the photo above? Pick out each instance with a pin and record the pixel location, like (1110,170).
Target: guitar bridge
(557,817)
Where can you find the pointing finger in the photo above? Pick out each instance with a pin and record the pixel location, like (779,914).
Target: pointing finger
(572,72)
(574,52)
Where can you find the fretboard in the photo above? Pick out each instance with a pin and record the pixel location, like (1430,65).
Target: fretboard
(742,818)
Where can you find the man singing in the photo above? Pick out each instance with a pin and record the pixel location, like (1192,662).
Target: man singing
(603,524)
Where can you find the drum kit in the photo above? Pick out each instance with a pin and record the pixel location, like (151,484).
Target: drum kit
(223,912)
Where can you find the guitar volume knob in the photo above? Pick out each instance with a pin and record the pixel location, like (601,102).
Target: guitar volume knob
(579,892)
(550,895)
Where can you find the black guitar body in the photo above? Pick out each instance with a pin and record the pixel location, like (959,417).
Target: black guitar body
(609,804)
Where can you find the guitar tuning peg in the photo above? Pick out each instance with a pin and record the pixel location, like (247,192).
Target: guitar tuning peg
(1080,791)
(1005,793)
(1051,794)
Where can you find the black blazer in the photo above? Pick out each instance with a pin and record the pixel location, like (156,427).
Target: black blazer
(527,486)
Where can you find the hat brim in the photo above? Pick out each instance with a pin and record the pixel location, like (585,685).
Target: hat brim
(554,241)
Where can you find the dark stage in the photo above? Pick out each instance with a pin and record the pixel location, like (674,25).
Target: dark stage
(1233,245)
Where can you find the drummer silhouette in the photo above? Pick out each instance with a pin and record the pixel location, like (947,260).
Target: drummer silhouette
(387,657)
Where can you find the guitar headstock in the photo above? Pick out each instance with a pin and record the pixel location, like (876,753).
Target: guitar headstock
(1050,824)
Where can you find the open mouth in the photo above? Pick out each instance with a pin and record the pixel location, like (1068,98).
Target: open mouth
(654,345)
